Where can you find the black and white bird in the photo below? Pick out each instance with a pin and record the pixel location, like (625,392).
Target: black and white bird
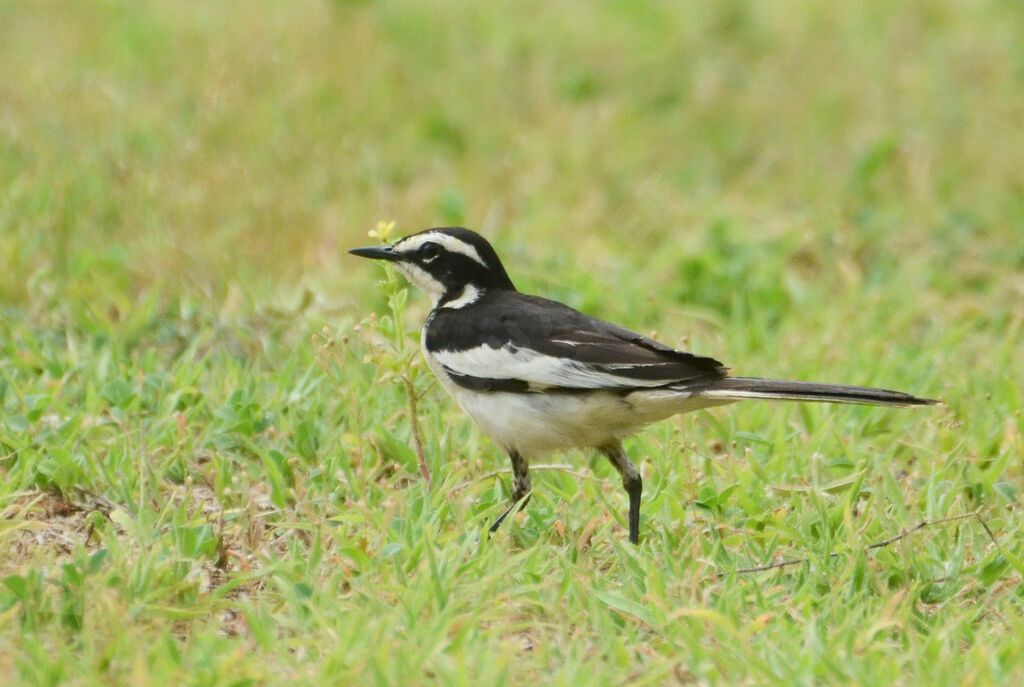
(538,376)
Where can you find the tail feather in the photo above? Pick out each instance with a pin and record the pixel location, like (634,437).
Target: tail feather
(740,388)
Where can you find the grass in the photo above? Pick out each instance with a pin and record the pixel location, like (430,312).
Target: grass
(207,468)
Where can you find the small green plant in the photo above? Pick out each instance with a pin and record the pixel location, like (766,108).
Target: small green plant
(390,348)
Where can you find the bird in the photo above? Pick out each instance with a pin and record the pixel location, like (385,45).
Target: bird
(537,376)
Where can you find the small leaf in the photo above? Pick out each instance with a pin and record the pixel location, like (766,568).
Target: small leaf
(17,423)
(357,556)
(72,575)
(122,519)
(625,606)
(17,584)
(389,550)
(96,560)
(994,569)
(1007,491)
(117,392)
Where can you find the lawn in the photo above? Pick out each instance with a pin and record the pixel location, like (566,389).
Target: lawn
(208,465)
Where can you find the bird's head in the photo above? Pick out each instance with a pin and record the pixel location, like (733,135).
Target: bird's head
(454,266)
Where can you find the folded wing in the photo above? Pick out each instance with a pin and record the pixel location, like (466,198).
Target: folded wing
(532,344)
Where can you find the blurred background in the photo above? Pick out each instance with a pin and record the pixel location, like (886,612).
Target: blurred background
(794,185)
(802,189)
(244,146)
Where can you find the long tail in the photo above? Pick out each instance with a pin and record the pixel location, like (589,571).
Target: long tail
(741,388)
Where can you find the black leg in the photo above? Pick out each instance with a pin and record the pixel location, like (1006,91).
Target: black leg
(520,487)
(631,482)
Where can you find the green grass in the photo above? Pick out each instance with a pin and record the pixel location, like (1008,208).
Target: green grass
(207,468)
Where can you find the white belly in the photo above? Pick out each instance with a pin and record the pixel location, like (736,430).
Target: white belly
(533,423)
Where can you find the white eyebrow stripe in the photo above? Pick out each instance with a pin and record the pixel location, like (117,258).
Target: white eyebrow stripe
(450,243)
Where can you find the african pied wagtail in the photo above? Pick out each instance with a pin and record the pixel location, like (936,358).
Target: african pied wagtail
(538,376)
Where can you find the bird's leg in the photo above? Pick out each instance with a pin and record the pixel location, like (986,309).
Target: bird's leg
(631,482)
(520,486)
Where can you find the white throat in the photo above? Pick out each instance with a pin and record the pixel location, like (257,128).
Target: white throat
(422,279)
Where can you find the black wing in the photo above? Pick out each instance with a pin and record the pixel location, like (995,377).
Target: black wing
(513,342)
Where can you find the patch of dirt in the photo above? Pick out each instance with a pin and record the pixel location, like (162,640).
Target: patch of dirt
(37,520)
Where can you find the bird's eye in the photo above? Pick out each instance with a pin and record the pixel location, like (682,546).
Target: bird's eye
(429,251)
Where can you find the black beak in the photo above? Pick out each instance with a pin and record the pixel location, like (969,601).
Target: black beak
(377,253)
